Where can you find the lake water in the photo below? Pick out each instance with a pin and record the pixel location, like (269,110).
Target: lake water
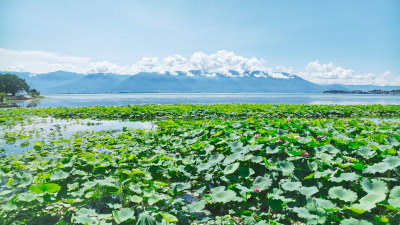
(19,138)
(79,100)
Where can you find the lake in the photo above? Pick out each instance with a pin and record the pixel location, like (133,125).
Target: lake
(23,136)
(79,100)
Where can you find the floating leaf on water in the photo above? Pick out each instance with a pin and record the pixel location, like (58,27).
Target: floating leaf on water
(286,167)
(308,191)
(374,186)
(342,194)
(58,175)
(378,168)
(345,177)
(145,218)
(291,186)
(326,204)
(262,183)
(229,169)
(42,187)
(196,206)
(221,196)
(169,217)
(304,213)
(394,197)
(123,215)
(393,161)
(353,221)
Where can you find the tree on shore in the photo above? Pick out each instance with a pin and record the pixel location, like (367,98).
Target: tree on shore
(11,83)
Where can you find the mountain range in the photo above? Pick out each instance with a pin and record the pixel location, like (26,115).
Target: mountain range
(61,82)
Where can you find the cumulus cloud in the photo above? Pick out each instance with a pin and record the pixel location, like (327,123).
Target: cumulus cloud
(223,62)
(332,74)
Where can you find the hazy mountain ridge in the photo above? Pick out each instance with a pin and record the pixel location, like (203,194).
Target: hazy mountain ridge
(60,82)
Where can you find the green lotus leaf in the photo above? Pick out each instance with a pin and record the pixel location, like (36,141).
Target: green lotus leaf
(145,218)
(372,198)
(245,171)
(84,216)
(308,191)
(223,196)
(42,187)
(345,177)
(58,175)
(378,168)
(180,186)
(147,192)
(214,159)
(362,207)
(248,219)
(85,212)
(326,204)
(106,182)
(237,147)
(124,214)
(204,166)
(229,169)
(374,186)
(269,150)
(286,167)
(209,148)
(304,213)
(394,197)
(393,161)
(9,206)
(353,221)
(324,173)
(155,198)
(366,152)
(262,222)
(136,199)
(89,184)
(262,183)
(196,206)
(169,217)
(86,220)
(330,148)
(342,194)
(291,186)
(188,161)
(232,158)
(393,141)
(135,188)
(73,186)
(27,197)
(304,140)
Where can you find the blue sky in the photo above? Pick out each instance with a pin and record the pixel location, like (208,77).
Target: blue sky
(359,35)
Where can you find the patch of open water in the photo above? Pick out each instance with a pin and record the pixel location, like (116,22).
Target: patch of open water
(19,138)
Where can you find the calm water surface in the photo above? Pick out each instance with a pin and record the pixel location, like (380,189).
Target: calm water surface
(48,129)
(78,100)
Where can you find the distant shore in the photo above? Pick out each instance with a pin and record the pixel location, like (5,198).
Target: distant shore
(374,92)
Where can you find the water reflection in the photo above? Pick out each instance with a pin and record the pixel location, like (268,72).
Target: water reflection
(22,137)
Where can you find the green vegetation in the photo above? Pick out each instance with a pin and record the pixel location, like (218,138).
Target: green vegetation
(223,164)
(2,96)
(220,111)
(11,83)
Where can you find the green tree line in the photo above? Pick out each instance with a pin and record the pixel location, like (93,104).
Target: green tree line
(11,83)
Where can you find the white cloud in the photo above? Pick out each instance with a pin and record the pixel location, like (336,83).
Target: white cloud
(40,61)
(332,74)
(221,62)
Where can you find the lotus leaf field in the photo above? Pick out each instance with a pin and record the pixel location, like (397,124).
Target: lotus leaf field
(209,164)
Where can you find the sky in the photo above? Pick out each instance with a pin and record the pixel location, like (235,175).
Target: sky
(341,41)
